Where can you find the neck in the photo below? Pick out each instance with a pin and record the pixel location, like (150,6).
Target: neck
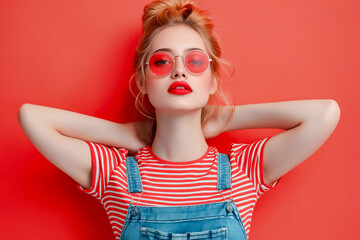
(179,137)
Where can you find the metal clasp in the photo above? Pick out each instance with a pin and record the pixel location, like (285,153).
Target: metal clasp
(135,211)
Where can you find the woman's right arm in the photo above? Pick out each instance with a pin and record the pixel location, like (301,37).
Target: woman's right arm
(58,135)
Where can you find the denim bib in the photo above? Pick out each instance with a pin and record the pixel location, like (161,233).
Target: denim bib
(212,221)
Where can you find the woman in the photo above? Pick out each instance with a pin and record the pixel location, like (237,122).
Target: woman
(176,186)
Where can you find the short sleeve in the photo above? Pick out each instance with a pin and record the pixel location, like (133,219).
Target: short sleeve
(249,158)
(104,160)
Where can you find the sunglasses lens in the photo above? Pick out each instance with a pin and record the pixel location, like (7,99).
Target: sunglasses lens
(161,63)
(196,61)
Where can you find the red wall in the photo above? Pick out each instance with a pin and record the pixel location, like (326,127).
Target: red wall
(77,55)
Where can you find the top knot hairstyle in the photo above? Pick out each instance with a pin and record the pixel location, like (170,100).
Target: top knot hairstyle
(158,15)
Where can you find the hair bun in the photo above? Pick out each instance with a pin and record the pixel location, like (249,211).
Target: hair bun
(160,11)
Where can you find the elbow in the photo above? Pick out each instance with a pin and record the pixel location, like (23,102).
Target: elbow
(332,114)
(334,110)
(23,112)
(324,120)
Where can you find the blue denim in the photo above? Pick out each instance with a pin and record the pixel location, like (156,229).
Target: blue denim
(212,221)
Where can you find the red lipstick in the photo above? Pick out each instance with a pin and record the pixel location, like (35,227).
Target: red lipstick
(180,87)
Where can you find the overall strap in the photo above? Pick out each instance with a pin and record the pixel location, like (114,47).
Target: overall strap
(133,175)
(224,172)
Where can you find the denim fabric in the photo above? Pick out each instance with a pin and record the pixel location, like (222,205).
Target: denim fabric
(213,221)
(133,175)
(224,172)
(152,234)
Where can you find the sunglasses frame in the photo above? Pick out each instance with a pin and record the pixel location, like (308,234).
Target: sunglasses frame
(183,60)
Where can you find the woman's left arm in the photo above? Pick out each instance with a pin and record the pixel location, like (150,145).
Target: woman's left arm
(308,124)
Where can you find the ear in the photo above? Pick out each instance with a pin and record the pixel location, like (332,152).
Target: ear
(213,86)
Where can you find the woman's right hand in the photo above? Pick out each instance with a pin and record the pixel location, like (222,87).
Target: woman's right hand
(215,125)
(59,135)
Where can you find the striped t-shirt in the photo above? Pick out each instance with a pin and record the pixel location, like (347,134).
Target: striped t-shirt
(167,183)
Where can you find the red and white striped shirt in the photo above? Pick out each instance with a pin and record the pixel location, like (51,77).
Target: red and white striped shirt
(168,183)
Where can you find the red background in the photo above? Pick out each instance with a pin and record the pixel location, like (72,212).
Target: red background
(77,55)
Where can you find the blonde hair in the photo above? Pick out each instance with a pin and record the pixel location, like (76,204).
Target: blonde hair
(158,15)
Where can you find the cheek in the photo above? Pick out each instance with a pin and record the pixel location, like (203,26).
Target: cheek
(156,89)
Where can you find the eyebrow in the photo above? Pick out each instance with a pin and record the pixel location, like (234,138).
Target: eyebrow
(170,50)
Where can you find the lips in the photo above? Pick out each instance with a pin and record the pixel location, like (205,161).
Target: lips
(180,87)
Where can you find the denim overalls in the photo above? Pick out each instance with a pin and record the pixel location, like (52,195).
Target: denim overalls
(220,220)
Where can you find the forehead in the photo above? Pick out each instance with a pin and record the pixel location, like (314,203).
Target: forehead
(178,38)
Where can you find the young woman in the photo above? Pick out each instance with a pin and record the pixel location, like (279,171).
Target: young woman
(158,178)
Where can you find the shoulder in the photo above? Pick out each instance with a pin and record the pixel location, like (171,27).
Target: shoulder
(250,147)
(143,153)
(107,153)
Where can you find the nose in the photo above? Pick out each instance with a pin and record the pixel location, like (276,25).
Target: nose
(179,70)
